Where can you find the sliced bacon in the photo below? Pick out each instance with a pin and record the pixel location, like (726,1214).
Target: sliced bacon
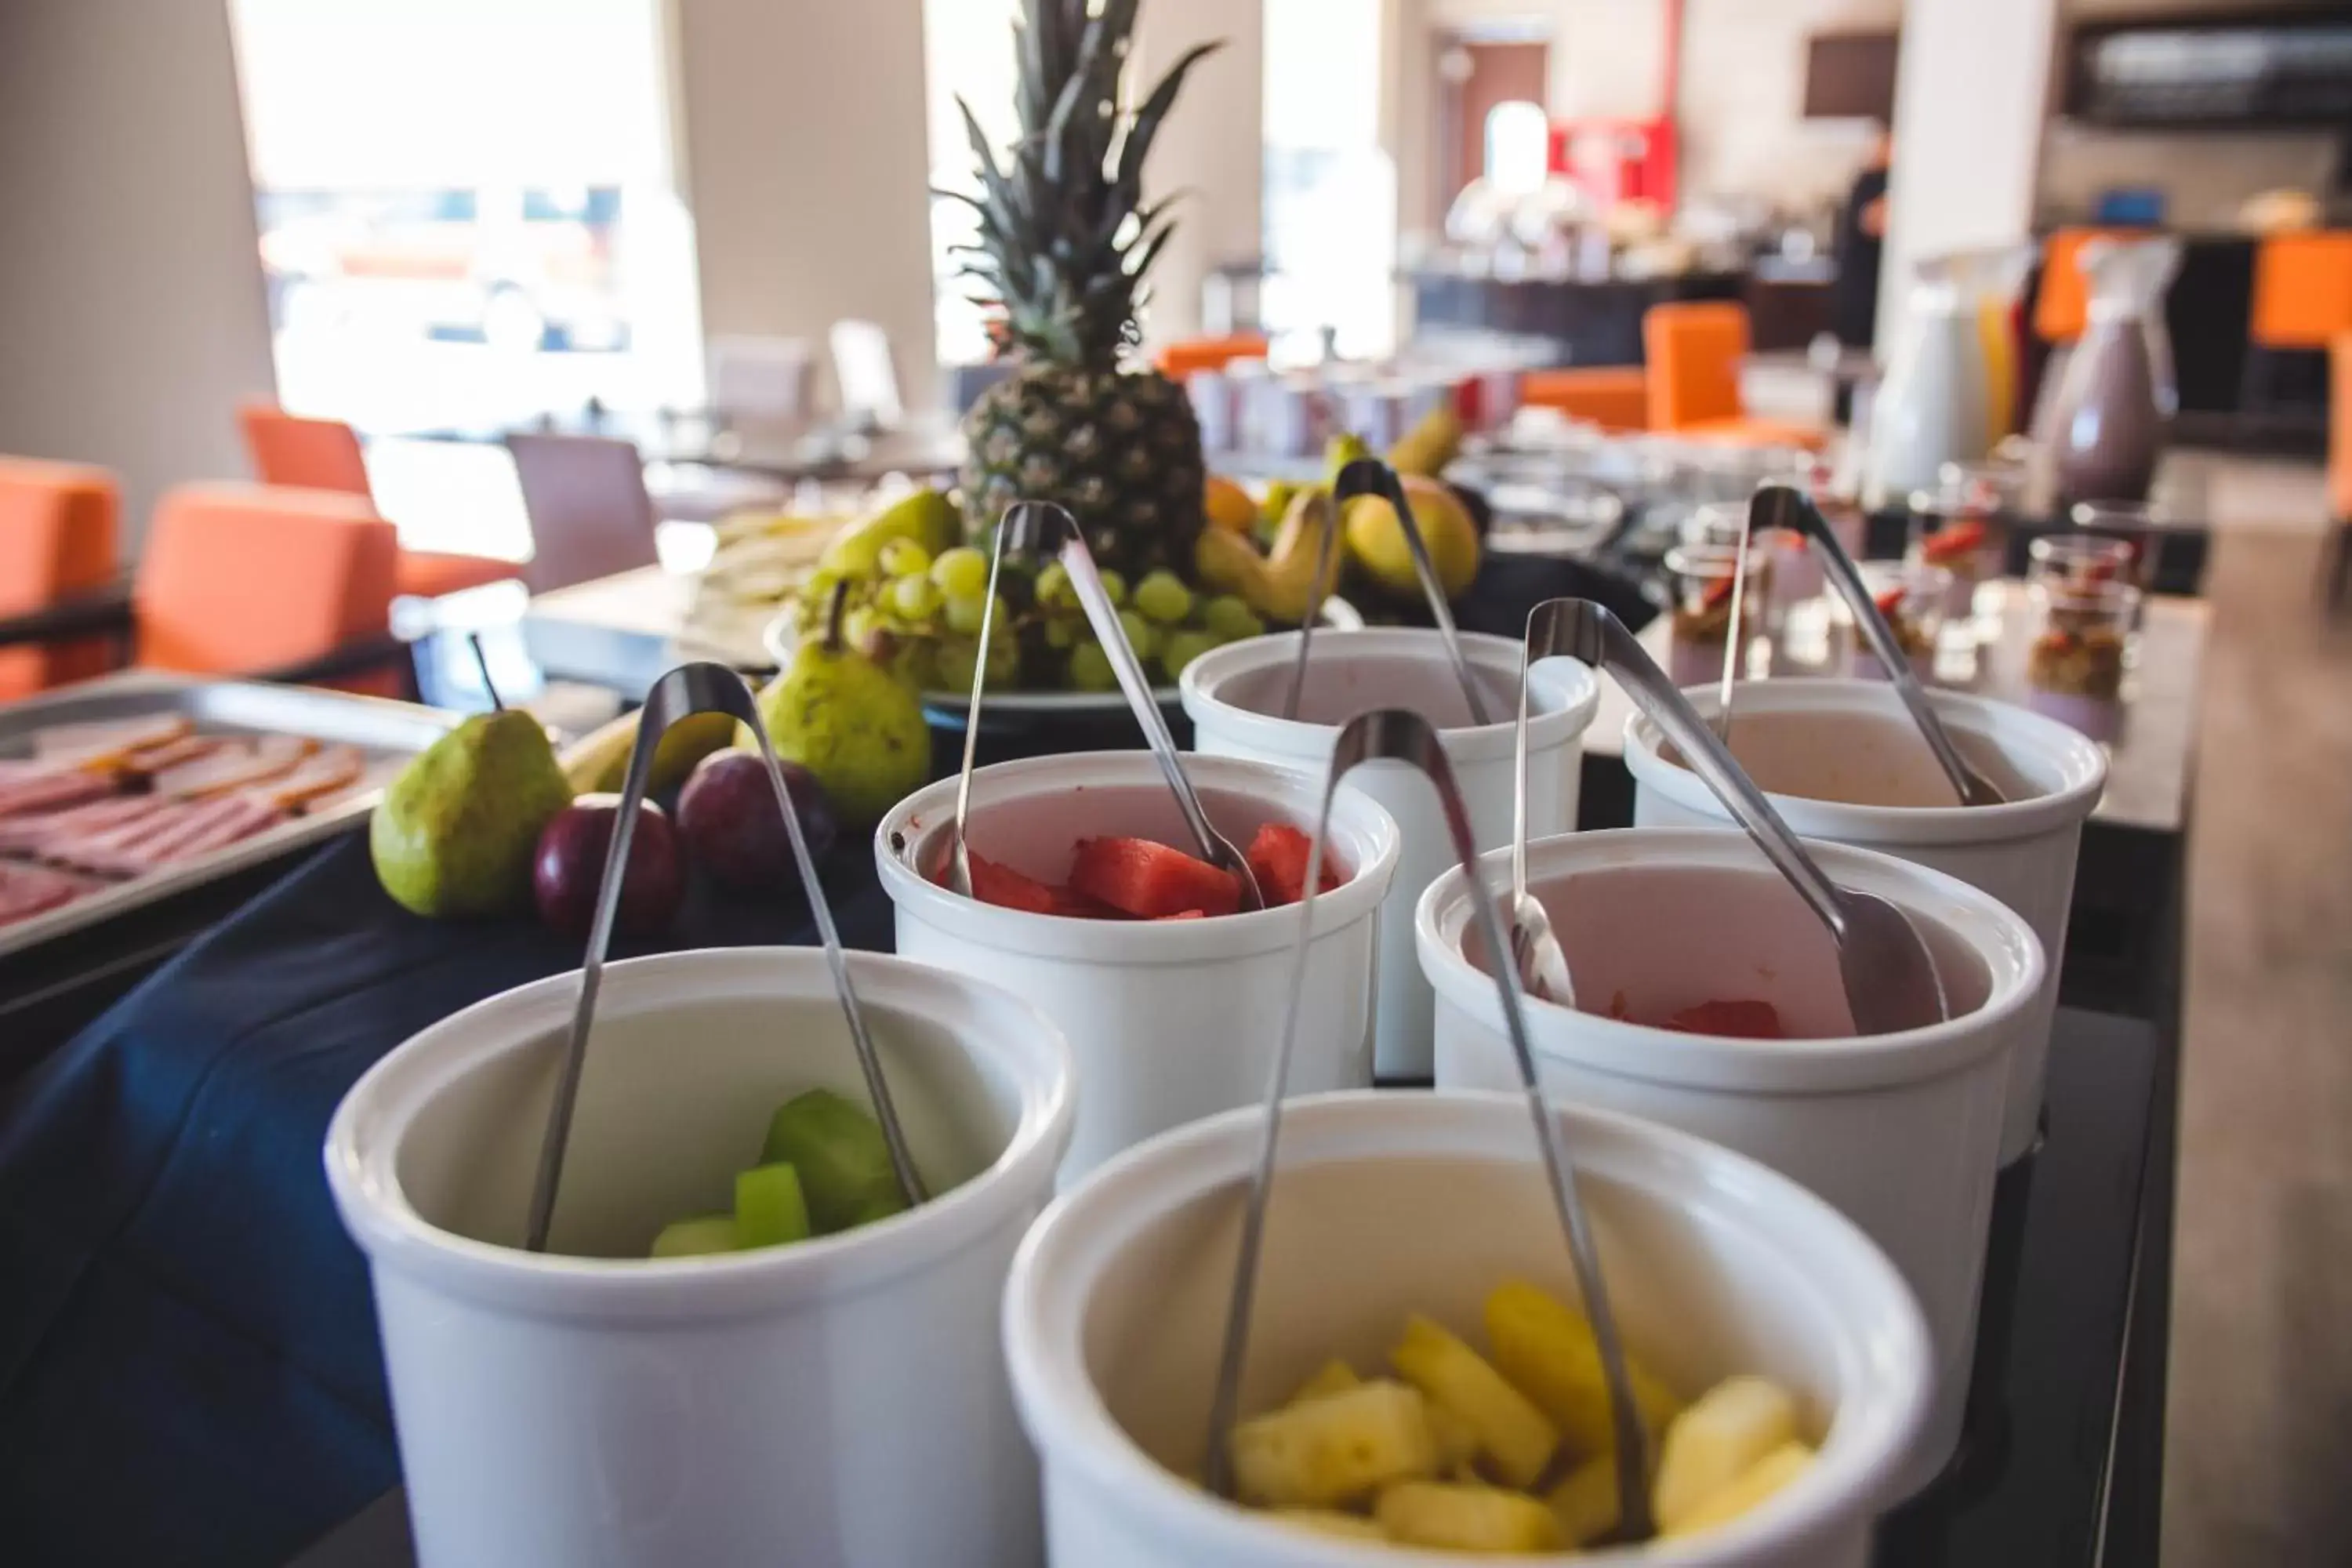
(143,851)
(30,890)
(335,768)
(106,744)
(50,789)
(105,849)
(251,814)
(235,767)
(151,760)
(28,835)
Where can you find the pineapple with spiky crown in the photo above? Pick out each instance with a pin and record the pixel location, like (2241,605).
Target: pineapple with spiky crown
(1065,238)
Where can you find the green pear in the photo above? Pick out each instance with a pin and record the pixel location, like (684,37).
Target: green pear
(927,517)
(850,722)
(455,834)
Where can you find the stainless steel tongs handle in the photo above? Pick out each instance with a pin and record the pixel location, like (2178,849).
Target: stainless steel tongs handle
(1588,632)
(1370,477)
(1398,734)
(1031,527)
(1781,506)
(699,688)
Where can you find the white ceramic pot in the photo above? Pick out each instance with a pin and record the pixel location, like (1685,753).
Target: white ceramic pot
(1901,1132)
(1170,1021)
(1805,740)
(1235,696)
(1116,1309)
(839,1403)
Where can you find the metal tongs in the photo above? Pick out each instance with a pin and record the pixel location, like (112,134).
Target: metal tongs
(687,689)
(1370,477)
(1400,735)
(1890,978)
(1028,528)
(1781,506)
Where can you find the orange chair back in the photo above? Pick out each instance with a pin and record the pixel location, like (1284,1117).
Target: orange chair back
(2340,428)
(1179,361)
(57,539)
(2302,289)
(2061,306)
(1695,349)
(1614,397)
(245,579)
(302,454)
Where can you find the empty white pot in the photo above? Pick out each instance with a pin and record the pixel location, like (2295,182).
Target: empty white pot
(1235,696)
(1814,746)
(1174,1020)
(840,1402)
(1901,1132)
(1115,1307)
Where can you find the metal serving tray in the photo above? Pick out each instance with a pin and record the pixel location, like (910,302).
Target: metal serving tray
(386,732)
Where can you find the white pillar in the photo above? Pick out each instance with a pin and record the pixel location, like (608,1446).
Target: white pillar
(1972,94)
(1213,148)
(807,170)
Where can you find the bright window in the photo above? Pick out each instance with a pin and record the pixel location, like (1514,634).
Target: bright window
(1330,190)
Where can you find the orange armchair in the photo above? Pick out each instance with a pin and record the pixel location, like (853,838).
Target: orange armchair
(1695,349)
(1614,397)
(255,580)
(57,540)
(1177,361)
(296,453)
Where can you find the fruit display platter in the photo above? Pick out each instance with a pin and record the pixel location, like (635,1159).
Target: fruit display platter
(780,636)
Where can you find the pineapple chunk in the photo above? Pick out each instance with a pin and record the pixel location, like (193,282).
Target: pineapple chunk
(1465,1518)
(1333,1449)
(1586,1503)
(1759,1481)
(1335,1376)
(1549,1354)
(1458,1445)
(1511,1432)
(1331,1521)
(1714,1443)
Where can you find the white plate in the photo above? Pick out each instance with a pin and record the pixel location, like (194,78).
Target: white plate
(776,637)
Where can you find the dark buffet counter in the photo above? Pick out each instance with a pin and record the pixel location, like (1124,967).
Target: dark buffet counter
(1581,323)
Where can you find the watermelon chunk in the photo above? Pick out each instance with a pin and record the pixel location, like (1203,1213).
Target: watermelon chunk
(1147,880)
(1736,1020)
(1956,542)
(1188,915)
(1077,906)
(1008,889)
(1278,859)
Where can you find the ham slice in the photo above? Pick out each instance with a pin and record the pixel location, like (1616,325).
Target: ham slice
(144,852)
(152,760)
(30,834)
(104,849)
(243,817)
(49,789)
(332,769)
(30,890)
(235,767)
(106,744)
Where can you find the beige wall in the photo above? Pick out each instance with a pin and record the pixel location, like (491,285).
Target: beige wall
(805,169)
(1742,81)
(1212,147)
(133,313)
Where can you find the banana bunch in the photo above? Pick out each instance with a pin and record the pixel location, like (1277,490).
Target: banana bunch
(1277,581)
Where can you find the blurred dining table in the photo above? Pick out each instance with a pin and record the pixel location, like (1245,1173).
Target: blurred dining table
(925,447)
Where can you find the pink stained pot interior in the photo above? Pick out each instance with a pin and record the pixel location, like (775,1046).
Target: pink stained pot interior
(1038,834)
(1341,682)
(1852,758)
(1669,937)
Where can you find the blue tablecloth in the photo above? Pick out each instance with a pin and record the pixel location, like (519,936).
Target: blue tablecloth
(188,1365)
(189,1372)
